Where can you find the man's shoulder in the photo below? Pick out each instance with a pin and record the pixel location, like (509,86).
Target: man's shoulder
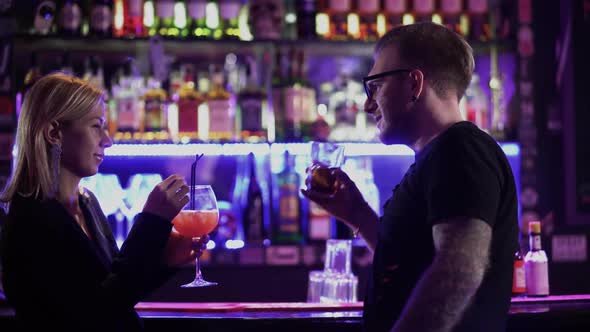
(461,142)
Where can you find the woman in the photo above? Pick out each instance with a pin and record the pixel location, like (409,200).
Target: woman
(61,267)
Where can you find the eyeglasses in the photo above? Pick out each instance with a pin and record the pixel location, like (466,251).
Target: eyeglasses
(368,79)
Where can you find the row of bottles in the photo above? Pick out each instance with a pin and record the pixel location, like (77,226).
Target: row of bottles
(229,102)
(370,19)
(219,103)
(531,275)
(263,19)
(261,208)
(292,219)
(137,18)
(223,102)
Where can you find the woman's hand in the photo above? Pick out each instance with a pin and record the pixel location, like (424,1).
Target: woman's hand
(168,197)
(182,250)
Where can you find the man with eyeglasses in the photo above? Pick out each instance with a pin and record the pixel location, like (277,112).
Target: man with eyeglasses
(443,248)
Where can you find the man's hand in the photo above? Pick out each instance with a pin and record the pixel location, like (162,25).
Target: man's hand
(182,250)
(348,205)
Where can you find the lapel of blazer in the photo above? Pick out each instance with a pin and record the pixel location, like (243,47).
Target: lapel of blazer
(103,236)
(56,209)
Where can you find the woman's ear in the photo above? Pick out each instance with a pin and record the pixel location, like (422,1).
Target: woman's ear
(52,133)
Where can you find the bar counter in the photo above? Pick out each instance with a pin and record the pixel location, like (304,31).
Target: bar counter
(554,313)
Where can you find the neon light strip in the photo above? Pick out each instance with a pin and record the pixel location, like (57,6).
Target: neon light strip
(242,149)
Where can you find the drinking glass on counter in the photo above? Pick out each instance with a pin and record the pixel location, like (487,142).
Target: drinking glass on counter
(325,157)
(335,283)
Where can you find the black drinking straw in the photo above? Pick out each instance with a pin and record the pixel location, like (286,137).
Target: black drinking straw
(193,168)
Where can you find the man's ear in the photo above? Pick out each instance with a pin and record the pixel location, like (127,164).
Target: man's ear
(417,77)
(52,133)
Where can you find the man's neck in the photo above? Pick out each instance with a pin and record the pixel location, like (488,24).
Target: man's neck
(438,117)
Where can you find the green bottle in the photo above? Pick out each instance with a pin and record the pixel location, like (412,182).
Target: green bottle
(288,228)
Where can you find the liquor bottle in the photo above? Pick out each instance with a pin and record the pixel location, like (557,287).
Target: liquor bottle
(498,116)
(128,18)
(66,66)
(338,11)
(198,20)
(101,18)
(93,72)
(394,13)
(306,13)
(289,228)
(180,20)
(128,105)
(287,97)
(265,19)
(479,27)
(536,263)
(70,18)
(423,10)
(33,74)
(277,95)
(321,224)
(164,19)
(322,19)
(451,11)
(476,104)
(518,276)
(367,183)
(252,104)
(45,17)
(229,11)
(221,107)
(253,211)
(154,107)
(307,96)
(289,20)
(149,18)
(368,10)
(189,100)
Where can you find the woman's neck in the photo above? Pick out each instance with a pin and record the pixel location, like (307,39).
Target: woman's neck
(67,193)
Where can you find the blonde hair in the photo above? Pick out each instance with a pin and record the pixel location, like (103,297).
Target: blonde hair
(57,98)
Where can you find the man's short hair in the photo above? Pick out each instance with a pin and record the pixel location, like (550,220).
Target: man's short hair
(445,57)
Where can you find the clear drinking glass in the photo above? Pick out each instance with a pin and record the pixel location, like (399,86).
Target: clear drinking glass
(338,256)
(325,157)
(315,285)
(198,218)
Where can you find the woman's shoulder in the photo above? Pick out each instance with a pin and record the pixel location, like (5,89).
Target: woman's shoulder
(25,219)
(21,204)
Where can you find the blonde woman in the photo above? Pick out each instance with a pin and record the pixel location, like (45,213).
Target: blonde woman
(61,267)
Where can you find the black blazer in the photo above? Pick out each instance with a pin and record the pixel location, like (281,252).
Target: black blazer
(58,279)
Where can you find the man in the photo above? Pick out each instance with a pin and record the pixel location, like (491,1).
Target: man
(443,248)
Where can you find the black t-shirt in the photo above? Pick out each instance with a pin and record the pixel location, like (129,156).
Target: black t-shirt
(463,172)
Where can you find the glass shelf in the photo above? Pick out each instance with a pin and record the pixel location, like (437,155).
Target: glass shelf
(241,149)
(205,47)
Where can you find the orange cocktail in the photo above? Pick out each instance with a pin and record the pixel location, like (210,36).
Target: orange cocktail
(196,223)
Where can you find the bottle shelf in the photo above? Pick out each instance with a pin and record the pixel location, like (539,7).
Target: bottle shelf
(207,47)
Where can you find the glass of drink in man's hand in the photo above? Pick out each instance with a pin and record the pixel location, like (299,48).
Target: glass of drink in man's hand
(325,158)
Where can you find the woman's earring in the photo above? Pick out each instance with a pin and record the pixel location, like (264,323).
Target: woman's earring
(55,161)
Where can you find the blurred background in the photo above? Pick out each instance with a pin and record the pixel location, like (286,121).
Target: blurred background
(251,83)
